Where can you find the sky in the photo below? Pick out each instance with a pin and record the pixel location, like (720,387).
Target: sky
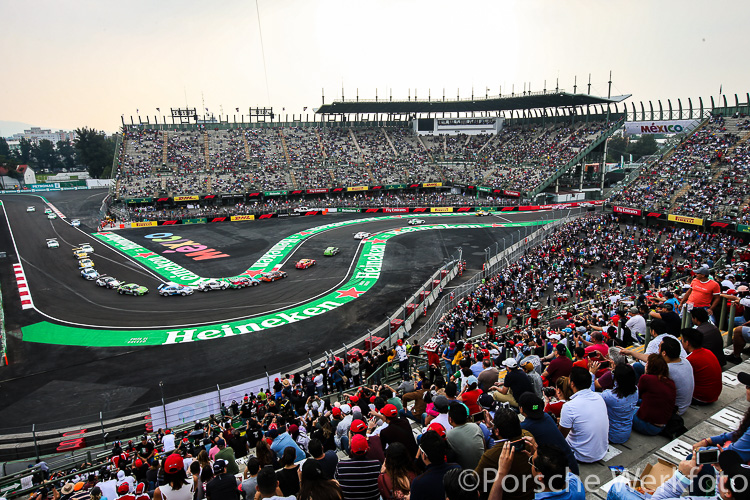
(88,62)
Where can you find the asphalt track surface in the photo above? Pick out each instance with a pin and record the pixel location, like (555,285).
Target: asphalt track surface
(81,381)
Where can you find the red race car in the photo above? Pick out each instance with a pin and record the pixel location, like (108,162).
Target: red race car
(304,263)
(272,275)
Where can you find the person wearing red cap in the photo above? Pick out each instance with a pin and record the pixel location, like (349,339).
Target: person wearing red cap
(358,476)
(140,492)
(123,492)
(178,485)
(398,429)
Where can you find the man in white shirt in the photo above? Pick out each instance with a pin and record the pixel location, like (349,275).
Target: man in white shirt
(583,420)
(403,359)
(168,441)
(636,324)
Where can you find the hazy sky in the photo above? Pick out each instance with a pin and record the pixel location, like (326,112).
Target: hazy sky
(84,63)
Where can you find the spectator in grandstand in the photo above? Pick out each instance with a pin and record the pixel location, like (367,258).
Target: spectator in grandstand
(465,438)
(704,292)
(288,476)
(358,476)
(507,428)
(621,401)
(583,419)
(560,366)
(706,368)
(397,472)
(268,485)
(516,382)
(658,395)
(680,372)
(177,484)
(432,452)
(544,429)
(314,484)
(248,485)
(398,429)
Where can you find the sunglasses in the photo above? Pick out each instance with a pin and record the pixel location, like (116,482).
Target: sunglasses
(531,461)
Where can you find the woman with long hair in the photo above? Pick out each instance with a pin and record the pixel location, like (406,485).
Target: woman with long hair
(324,433)
(177,484)
(658,395)
(315,486)
(563,392)
(397,473)
(265,455)
(621,400)
(203,460)
(289,475)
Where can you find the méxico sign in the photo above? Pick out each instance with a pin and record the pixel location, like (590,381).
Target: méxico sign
(660,127)
(363,277)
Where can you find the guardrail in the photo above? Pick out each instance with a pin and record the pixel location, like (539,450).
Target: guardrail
(3,340)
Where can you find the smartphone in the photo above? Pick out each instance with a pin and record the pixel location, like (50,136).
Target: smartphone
(707,457)
(519,445)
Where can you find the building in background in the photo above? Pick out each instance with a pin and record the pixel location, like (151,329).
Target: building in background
(37,134)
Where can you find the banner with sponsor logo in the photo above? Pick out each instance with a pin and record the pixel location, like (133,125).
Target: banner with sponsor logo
(185,198)
(441,209)
(660,127)
(483,189)
(199,220)
(144,224)
(685,220)
(242,217)
(655,215)
(357,188)
(400,210)
(721,224)
(432,184)
(139,200)
(279,192)
(317,191)
(626,210)
(396,186)
(743,228)
(515,194)
(349,210)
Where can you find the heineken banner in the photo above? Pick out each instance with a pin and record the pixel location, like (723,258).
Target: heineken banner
(743,228)
(200,220)
(275,193)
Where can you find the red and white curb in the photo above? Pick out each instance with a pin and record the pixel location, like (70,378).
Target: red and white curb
(57,212)
(23,288)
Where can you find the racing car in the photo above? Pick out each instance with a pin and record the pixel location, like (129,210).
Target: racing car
(47,210)
(209,285)
(330,251)
(89,273)
(51,216)
(362,235)
(84,263)
(415,222)
(242,282)
(79,254)
(272,276)
(304,263)
(85,247)
(482,213)
(166,289)
(108,282)
(75,223)
(52,243)
(31,208)
(132,289)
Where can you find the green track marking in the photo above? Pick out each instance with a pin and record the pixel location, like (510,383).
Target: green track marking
(364,276)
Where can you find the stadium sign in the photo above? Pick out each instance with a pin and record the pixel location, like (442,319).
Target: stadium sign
(743,228)
(396,186)
(660,127)
(626,210)
(685,220)
(432,184)
(483,189)
(242,217)
(364,276)
(357,188)
(317,191)
(275,193)
(186,198)
(516,194)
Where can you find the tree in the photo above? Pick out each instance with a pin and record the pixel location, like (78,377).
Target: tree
(24,153)
(617,147)
(4,148)
(95,151)
(44,155)
(67,154)
(645,146)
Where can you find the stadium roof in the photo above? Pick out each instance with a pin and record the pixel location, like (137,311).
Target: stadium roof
(537,100)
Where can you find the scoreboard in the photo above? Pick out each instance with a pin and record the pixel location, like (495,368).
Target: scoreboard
(455,126)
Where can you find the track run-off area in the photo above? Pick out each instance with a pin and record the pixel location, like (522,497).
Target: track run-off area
(363,273)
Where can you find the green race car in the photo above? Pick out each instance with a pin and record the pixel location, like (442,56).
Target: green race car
(132,289)
(330,251)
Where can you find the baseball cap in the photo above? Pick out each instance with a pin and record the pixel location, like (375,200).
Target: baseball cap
(138,463)
(738,473)
(358,426)
(441,404)
(173,464)
(359,444)
(486,400)
(437,428)
(472,380)
(122,488)
(510,363)
(293,428)
(346,409)
(336,411)
(140,488)
(702,270)
(389,411)
(532,405)
(744,378)
(743,288)
(219,466)
(633,310)
(312,470)
(220,442)
(399,342)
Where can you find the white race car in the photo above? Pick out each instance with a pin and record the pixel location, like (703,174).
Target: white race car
(108,282)
(85,247)
(31,208)
(89,273)
(51,216)
(415,222)
(166,289)
(362,235)
(52,243)
(212,285)
(75,223)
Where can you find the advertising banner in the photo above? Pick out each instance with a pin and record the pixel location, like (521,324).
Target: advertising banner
(656,215)
(515,194)
(400,210)
(743,228)
(660,127)
(626,210)
(185,198)
(199,220)
(349,210)
(242,217)
(275,193)
(143,224)
(685,220)
(357,188)
(396,186)
(483,189)
(432,184)
(317,191)
(441,209)
(720,224)
(139,200)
